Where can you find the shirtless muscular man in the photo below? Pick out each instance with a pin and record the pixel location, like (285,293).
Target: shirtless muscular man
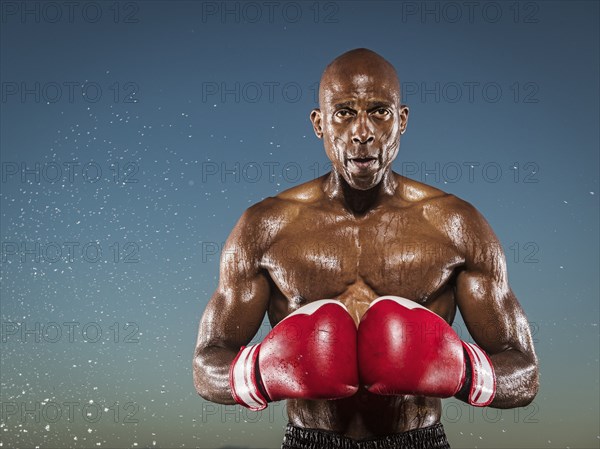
(361,272)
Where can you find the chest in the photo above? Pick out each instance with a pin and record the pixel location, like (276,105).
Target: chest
(391,254)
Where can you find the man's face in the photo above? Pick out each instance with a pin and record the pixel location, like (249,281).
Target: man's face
(360,121)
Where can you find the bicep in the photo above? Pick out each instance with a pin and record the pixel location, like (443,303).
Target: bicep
(235,311)
(492,313)
(486,302)
(233,316)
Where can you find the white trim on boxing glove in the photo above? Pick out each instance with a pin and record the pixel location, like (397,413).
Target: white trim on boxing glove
(243,381)
(312,307)
(402,301)
(483,378)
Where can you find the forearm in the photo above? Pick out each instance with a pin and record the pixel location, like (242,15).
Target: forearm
(211,374)
(516,378)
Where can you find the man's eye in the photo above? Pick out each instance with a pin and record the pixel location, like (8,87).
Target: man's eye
(343,113)
(382,111)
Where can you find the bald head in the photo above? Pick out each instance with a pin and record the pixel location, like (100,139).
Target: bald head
(360,118)
(356,65)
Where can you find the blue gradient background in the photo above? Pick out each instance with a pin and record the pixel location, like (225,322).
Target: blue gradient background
(169,224)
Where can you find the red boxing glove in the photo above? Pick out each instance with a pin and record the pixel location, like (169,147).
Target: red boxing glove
(404,348)
(310,354)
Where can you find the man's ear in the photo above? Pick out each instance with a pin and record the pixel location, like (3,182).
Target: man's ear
(403,118)
(315,118)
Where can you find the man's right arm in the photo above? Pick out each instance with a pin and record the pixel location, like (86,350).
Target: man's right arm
(235,311)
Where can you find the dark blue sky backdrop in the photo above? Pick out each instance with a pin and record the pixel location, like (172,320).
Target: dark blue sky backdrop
(134,134)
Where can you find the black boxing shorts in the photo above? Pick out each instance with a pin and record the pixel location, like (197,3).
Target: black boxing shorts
(432,437)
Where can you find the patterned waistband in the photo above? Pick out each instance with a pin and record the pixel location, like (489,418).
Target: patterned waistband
(432,437)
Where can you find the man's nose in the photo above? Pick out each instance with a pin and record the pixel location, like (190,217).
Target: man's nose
(362,132)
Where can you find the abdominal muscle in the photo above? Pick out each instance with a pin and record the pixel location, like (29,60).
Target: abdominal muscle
(365,415)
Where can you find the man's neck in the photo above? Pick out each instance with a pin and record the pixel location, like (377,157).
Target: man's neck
(359,202)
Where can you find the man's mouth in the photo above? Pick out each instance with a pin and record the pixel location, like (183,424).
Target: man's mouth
(363,162)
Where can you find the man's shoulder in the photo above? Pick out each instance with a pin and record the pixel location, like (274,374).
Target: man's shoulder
(413,191)
(439,205)
(285,206)
(455,218)
(303,194)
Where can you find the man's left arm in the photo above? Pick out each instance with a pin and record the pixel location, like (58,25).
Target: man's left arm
(494,316)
